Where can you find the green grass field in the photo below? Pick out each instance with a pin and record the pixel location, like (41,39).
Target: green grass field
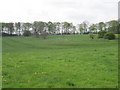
(69,61)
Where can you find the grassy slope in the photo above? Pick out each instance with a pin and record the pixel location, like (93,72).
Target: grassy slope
(0,62)
(72,61)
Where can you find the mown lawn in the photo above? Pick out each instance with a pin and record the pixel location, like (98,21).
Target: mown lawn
(69,61)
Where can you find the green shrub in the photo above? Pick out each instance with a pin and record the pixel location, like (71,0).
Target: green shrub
(101,34)
(91,35)
(109,35)
(27,33)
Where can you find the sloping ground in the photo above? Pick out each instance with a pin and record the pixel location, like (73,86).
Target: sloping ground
(0,62)
(69,61)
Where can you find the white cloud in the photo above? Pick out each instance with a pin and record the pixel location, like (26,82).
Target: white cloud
(75,11)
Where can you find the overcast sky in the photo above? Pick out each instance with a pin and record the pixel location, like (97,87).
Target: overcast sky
(75,11)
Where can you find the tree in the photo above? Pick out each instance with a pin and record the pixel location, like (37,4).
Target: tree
(18,27)
(74,29)
(3,26)
(85,26)
(101,26)
(27,26)
(101,34)
(10,27)
(113,26)
(109,35)
(62,28)
(81,28)
(57,27)
(118,31)
(26,33)
(35,28)
(41,26)
(51,27)
(38,27)
(91,35)
(67,26)
(93,28)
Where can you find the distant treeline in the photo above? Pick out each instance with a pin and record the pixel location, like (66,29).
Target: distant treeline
(60,28)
